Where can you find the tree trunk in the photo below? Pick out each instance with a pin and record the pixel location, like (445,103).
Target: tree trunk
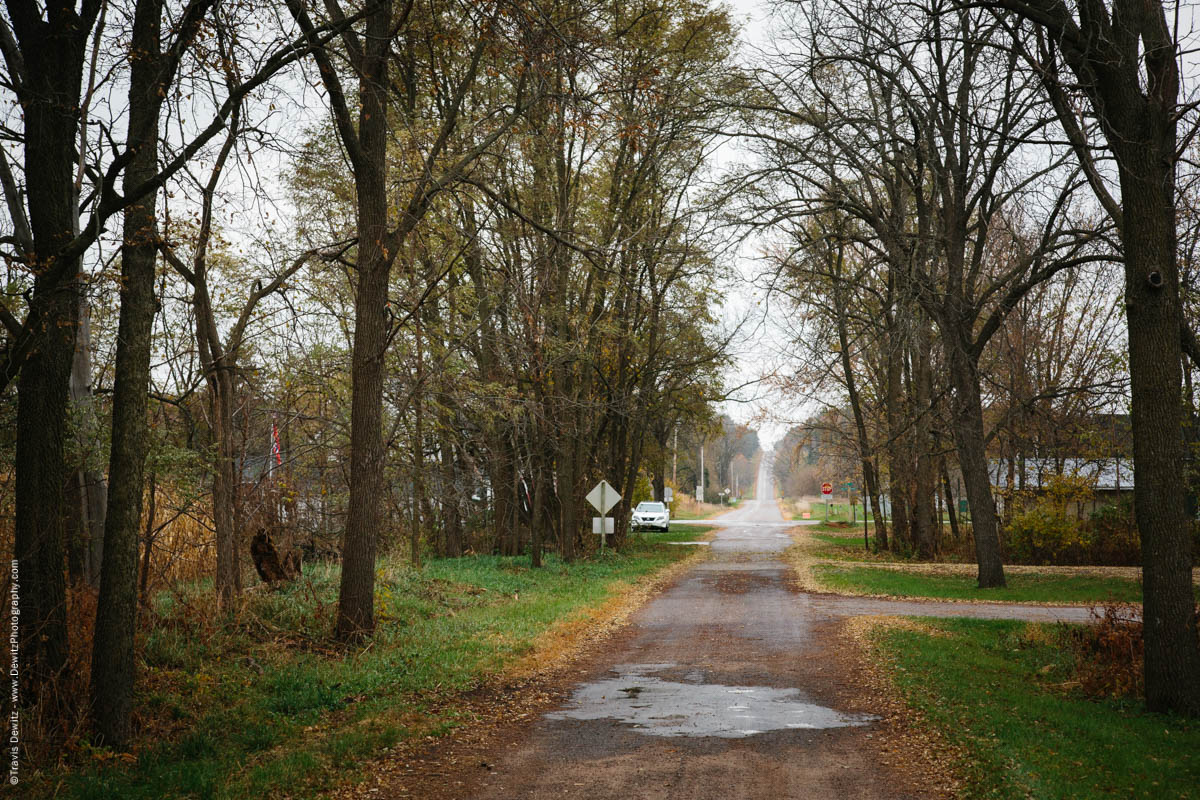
(356,594)
(1172,650)
(870,485)
(952,513)
(568,510)
(228,582)
(503,496)
(897,461)
(452,527)
(53,55)
(112,654)
(924,485)
(148,542)
(86,495)
(967,423)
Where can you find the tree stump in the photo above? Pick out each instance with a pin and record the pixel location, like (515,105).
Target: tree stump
(267,562)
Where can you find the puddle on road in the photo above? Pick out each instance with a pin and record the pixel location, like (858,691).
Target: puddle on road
(660,707)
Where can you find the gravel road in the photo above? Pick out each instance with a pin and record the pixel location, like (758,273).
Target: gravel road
(727,685)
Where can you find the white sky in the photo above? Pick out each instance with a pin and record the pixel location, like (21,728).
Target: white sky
(760,350)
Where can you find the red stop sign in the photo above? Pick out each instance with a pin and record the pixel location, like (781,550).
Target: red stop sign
(826,488)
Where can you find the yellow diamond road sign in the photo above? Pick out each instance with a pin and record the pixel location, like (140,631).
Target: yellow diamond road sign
(603,497)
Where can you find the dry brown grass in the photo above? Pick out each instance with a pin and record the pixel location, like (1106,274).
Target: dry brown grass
(685,506)
(1109,654)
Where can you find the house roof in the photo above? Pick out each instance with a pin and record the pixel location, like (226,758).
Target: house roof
(1105,474)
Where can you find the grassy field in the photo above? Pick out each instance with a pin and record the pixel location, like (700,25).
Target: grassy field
(996,689)
(263,703)
(687,508)
(1022,587)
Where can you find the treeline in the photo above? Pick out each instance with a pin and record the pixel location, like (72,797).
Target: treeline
(954,199)
(354,276)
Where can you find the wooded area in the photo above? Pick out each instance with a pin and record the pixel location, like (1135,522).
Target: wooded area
(941,180)
(491,283)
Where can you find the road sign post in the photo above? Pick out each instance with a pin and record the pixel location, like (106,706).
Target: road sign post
(603,497)
(827,490)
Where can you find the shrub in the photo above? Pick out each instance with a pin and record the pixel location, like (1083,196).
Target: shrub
(1044,535)
(1114,535)
(1109,654)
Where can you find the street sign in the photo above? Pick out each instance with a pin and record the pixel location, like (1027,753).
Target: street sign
(668,494)
(827,488)
(602,525)
(603,497)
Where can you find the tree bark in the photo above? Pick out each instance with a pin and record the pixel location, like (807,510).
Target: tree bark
(897,461)
(364,518)
(924,485)
(228,576)
(870,485)
(112,654)
(967,424)
(53,56)
(87,490)
(1172,648)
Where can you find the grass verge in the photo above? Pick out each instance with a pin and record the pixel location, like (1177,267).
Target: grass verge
(1022,587)
(996,690)
(262,703)
(679,533)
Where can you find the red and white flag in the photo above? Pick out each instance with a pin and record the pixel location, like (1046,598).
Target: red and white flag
(275,450)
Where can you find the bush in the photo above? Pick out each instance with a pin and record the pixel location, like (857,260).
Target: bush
(1109,653)
(1044,535)
(1114,536)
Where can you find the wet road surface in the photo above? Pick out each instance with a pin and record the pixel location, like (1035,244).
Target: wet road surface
(722,687)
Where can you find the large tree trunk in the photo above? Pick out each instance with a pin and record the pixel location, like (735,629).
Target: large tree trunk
(967,423)
(112,654)
(53,55)
(364,518)
(1172,650)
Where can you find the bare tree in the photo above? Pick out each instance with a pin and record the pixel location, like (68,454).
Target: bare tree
(1121,59)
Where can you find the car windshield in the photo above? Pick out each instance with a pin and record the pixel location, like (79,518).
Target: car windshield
(650,507)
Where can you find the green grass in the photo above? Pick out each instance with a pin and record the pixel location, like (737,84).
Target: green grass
(842,547)
(1022,588)
(677,533)
(265,703)
(989,686)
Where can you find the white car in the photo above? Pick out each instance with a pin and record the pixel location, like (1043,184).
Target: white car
(652,515)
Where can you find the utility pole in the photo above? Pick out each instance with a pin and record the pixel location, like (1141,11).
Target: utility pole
(700,480)
(675,459)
